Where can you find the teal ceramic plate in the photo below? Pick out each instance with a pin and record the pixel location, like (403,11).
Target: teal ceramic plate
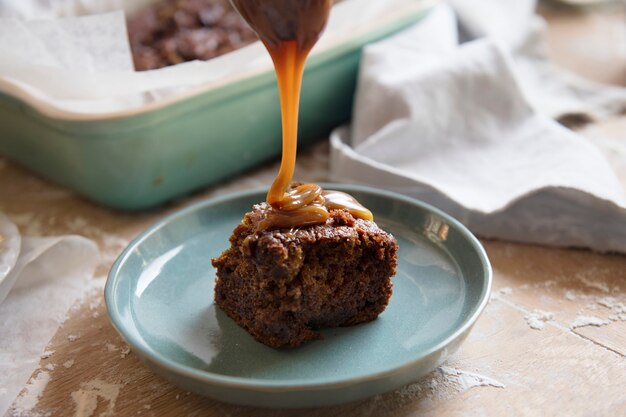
(160,298)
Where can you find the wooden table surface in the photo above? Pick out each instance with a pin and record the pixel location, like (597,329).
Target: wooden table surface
(504,367)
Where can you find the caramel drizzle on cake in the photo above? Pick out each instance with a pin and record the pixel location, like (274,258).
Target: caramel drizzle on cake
(289,30)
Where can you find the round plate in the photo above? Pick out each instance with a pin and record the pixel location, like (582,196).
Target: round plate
(160,298)
(10,245)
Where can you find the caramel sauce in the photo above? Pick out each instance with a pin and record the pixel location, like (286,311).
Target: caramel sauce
(289,29)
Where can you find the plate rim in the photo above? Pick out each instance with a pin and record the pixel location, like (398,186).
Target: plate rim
(277,386)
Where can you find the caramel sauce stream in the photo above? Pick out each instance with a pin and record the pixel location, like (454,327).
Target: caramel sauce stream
(289,29)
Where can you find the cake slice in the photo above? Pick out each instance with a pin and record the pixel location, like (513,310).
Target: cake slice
(282,285)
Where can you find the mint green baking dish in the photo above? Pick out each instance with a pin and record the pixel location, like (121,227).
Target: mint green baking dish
(142,158)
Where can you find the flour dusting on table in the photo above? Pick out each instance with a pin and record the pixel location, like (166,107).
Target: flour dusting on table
(617,308)
(28,398)
(125,350)
(537,319)
(443,384)
(582,321)
(86,398)
(466,380)
(47,354)
(602,286)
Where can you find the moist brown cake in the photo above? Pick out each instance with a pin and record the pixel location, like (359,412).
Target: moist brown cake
(282,285)
(174,31)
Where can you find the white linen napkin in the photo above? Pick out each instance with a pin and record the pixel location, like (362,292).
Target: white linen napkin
(454,125)
(550,90)
(50,274)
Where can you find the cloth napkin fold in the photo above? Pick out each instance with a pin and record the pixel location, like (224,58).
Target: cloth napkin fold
(50,274)
(549,89)
(465,127)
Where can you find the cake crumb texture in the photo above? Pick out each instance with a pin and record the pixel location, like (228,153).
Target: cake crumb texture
(284,285)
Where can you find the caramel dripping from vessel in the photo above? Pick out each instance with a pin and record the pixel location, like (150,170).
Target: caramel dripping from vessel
(289,29)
